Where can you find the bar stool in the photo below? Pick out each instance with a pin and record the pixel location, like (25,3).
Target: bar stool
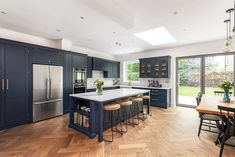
(136,104)
(112,108)
(146,99)
(126,112)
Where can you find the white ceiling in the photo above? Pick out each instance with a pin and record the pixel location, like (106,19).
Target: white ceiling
(196,21)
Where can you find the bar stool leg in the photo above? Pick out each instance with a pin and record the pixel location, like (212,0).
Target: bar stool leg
(131,117)
(119,119)
(135,108)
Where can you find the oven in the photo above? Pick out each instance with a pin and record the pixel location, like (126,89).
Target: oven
(79,76)
(78,88)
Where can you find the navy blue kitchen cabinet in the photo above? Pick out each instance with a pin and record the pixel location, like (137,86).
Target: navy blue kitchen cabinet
(71,61)
(160,97)
(43,55)
(111,69)
(98,64)
(116,69)
(155,67)
(142,68)
(79,60)
(15,92)
(2,85)
(89,67)
(67,81)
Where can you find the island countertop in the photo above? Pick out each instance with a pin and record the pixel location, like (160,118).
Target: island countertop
(109,95)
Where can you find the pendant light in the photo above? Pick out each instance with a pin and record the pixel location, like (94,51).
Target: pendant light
(230,32)
(228,36)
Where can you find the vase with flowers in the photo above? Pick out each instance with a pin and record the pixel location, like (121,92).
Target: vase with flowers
(226,86)
(99,86)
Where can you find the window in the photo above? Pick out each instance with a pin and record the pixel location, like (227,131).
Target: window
(131,71)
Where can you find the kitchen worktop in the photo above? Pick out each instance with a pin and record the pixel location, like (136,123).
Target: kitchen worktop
(109,94)
(111,86)
(144,87)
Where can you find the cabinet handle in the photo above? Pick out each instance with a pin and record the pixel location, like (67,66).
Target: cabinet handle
(155,94)
(154,99)
(3,84)
(7,84)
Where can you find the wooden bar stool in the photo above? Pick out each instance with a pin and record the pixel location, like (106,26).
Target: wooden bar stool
(112,108)
(136,104)
(146,99)
(126,112)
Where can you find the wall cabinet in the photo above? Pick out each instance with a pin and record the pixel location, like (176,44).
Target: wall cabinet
(157,67)
(110,68)
(14,85)
(79,60)
(46,56)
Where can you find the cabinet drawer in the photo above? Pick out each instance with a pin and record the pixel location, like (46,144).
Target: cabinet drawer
(158,103)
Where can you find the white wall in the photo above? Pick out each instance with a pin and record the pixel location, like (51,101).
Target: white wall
(187,50)
(59,44)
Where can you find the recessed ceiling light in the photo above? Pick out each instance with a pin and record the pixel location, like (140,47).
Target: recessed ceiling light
(156,36)
(3,12)
(82,17)
(117,43)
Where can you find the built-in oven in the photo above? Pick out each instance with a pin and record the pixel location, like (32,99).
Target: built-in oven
(79,75)
(77,88)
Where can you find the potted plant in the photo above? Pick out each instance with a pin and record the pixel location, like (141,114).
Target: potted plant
(226,86)
(99,86)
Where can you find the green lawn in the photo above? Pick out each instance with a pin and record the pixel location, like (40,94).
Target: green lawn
(192,91)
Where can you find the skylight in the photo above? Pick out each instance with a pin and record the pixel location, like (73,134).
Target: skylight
(156,36)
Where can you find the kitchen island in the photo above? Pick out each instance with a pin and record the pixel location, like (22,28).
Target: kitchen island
(92,122)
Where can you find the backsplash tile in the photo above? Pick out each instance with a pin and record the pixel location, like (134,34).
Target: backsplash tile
(98,75)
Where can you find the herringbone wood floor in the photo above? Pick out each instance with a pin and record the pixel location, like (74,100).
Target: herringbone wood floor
(168,133)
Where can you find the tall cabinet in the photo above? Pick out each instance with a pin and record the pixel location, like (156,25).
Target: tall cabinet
(2,85)
(14,84)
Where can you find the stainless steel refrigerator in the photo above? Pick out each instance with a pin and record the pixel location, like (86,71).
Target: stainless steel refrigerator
(47,91)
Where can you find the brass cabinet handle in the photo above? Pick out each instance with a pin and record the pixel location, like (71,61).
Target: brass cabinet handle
(7,84)
(3,84)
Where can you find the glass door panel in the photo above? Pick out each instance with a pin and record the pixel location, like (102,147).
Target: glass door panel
(217,70)
(189,80)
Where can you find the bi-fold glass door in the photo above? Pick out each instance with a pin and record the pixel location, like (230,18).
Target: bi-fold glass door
(188,80)
(202,74)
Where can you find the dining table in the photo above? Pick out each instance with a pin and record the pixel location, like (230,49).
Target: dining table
(209,105)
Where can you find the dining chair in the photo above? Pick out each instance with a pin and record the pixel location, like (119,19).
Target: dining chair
(228,125)
(221,93)
(207,120)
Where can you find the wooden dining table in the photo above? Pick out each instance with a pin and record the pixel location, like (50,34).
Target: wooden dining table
(209,104)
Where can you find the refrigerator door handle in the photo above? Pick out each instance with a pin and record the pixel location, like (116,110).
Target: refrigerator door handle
(46,102)
(47,88)
(50,88)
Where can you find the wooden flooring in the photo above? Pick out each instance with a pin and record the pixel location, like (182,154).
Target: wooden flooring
(168,133)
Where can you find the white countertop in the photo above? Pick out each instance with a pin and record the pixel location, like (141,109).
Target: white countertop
(126,86)
(93,87)
(110,95)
